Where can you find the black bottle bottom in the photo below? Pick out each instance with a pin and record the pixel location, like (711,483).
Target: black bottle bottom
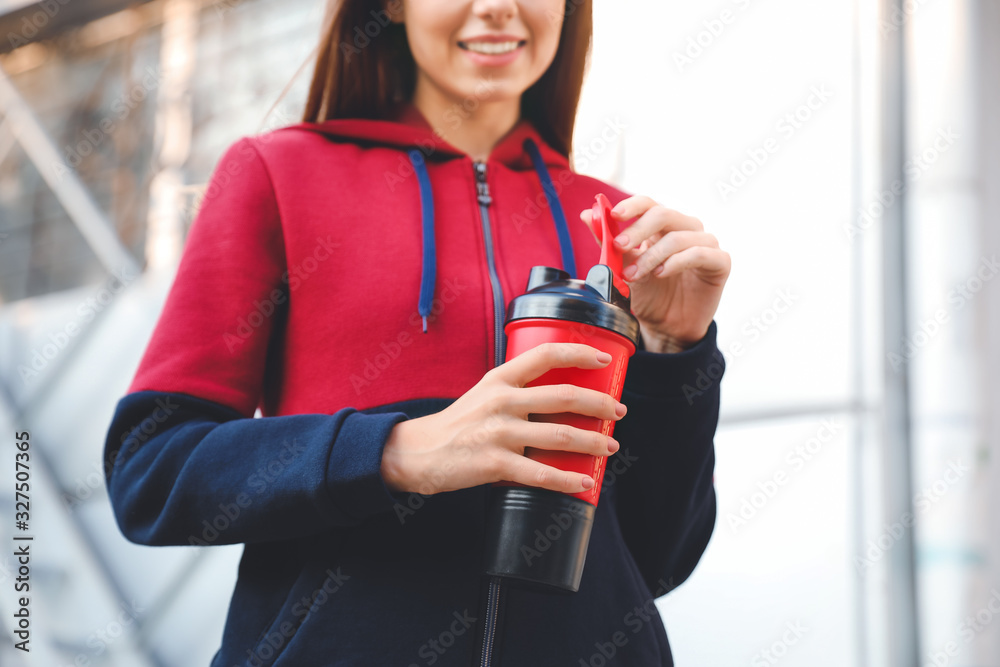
(537,537)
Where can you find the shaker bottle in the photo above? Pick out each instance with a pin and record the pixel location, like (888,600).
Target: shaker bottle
(535,535)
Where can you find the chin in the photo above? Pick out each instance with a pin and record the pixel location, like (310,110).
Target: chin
(488,89)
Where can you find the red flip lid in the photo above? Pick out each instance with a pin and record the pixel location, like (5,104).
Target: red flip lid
(607,230)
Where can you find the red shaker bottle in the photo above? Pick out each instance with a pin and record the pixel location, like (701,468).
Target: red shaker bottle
(536,535)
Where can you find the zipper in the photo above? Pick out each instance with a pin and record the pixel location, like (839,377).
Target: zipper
(494,593)
(490,622)
(484,199)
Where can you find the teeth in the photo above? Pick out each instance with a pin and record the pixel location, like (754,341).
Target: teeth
(491,48)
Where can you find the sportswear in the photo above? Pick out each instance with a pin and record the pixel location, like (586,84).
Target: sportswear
(342,277)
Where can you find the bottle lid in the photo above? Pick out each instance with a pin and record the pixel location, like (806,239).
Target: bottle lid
(608,230)
(601,300)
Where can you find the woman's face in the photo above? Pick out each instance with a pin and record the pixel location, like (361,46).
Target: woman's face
(477,51)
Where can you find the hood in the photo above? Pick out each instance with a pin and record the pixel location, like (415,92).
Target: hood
(406,128)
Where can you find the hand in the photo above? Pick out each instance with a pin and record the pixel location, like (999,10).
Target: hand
(481,437)
(675,271)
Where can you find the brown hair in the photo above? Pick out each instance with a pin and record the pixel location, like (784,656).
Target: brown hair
(354,81)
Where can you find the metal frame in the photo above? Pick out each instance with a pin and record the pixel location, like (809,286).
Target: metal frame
(20,125)
(67,187)
(902,627)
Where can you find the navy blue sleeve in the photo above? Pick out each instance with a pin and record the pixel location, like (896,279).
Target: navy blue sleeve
(664,491)
(183,470)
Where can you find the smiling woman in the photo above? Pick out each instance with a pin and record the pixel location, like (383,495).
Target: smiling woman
(424,174)
(364,78)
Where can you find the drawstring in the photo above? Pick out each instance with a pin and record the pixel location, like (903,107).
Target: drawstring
(565,244)
(429,268)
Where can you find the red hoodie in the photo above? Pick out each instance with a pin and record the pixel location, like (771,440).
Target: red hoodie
(333,213)
(318,253)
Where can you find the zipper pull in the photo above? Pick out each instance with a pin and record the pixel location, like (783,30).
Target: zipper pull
(482,187)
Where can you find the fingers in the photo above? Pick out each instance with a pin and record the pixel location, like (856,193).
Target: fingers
(631,207)
(712,261)
(656,220)
(658,252)
(549,399)
(535,362)
(523,470)
(508,461)
(556,437)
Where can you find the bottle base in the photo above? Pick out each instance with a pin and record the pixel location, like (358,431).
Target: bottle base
(537,537)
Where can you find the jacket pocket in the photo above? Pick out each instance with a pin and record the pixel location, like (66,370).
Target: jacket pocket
(302,596)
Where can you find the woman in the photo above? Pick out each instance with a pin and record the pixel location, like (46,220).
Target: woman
(348,276)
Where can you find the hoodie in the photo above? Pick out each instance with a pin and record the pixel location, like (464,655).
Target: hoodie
(341,277)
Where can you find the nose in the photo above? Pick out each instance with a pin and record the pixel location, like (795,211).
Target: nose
(497,11)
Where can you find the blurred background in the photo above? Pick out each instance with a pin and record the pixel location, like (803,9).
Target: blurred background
(846,154)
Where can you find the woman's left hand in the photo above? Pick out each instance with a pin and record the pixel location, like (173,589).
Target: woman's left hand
(675,271)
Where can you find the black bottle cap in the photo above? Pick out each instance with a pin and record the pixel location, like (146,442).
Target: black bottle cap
(552,294)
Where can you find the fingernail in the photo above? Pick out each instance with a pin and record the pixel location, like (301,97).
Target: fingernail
(658,270)
(620,410)
(622,240)
(613,445)
(588,482)
(618,208)
(630,272)
(603,357)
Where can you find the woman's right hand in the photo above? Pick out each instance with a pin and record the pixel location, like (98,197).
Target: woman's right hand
(481,437)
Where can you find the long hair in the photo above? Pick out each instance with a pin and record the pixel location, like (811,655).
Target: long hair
(364,67)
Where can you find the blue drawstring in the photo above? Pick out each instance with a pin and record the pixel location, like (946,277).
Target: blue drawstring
(429,269)
(565,244)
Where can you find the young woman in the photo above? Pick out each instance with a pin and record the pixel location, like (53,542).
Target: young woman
(348,276)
